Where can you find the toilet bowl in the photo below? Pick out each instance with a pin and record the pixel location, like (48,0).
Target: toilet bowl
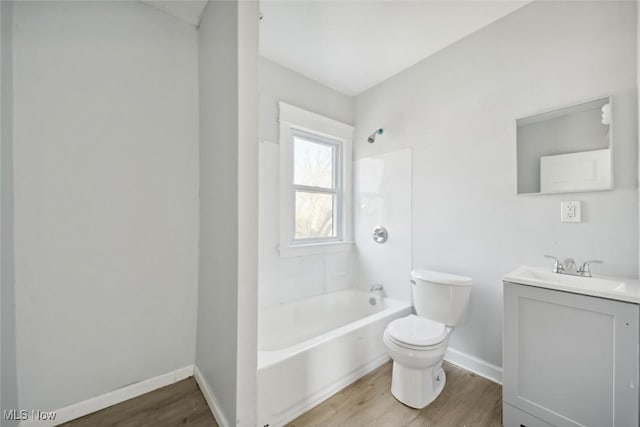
(417,343)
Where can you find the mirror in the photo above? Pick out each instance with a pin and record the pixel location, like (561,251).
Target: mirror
(566,150)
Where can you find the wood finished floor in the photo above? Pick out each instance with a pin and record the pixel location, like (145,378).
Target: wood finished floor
(179,404)
(467,400)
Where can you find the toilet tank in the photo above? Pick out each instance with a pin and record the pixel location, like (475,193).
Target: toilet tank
(440,296)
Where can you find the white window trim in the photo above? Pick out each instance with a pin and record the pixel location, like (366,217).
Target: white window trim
(294,119)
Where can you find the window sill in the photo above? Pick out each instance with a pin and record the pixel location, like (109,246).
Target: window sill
(315,249)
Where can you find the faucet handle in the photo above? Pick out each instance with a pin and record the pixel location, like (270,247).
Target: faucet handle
(558,267)
(584,270)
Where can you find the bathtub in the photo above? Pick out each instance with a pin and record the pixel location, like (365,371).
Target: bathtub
(312,348)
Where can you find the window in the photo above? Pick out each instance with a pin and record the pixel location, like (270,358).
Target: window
(316,187)
(315,159)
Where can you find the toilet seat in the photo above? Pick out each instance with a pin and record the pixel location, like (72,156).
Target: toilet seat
(416,332)
(401,349)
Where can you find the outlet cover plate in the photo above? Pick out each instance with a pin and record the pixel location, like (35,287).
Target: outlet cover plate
(571,211)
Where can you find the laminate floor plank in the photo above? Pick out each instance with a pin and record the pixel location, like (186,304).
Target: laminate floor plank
(466,401)
(179,404)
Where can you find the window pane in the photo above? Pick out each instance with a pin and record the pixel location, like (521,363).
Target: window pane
(314,215)
(313,163)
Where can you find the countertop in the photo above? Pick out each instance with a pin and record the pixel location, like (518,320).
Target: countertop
(609,287)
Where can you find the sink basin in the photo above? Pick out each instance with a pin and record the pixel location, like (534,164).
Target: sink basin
(537,276)
(606,287)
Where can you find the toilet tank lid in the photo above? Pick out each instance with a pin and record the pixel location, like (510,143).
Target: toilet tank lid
(442,278)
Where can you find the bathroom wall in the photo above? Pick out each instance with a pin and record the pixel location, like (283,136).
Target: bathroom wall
(457,110)
(248,161)
(217,335)
(106,186)
(227,300)
(287,279)
(8,380)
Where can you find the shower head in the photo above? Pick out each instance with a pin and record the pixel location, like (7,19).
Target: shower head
(372,138)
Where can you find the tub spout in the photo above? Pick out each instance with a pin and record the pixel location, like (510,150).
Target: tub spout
(376,289)
(376,294)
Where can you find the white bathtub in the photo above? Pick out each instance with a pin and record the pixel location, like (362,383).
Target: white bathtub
(312,348)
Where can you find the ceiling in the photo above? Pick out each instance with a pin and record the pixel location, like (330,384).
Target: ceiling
(351,46)
(187,10)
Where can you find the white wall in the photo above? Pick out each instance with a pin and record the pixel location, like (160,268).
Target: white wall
(227,301)
(216,349)
(106,181)
(457,109)
(248,160)
(8,380)
(287,279)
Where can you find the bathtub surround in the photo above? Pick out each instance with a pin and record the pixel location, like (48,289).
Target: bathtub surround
(227,301)
(106,180)
(382,191)
(8,380)
(288,279)
(457,110)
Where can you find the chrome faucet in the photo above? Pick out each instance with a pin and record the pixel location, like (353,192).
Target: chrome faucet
(376,289)
(584,270)
(569,266)
(558,267)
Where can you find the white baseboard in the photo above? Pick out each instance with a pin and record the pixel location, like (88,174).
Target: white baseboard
(475,365)
(319,397)
(214,406)
(97,403)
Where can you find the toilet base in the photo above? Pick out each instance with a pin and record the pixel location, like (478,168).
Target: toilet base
(417,388)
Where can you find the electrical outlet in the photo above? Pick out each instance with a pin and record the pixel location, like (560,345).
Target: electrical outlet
(570,211)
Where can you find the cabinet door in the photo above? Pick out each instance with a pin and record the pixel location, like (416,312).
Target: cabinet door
(569,359)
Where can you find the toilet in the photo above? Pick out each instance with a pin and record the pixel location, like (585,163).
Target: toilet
(417,343)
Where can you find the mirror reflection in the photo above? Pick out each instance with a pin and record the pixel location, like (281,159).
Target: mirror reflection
(566,150)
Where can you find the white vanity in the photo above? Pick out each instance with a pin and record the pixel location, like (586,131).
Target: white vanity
(570,353)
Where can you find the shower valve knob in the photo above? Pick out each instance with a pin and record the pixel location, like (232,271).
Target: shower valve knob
(380,234)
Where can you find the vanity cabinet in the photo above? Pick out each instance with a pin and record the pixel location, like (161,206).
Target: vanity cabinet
(569,359)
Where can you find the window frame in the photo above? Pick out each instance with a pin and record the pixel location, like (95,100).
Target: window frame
(294,122)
